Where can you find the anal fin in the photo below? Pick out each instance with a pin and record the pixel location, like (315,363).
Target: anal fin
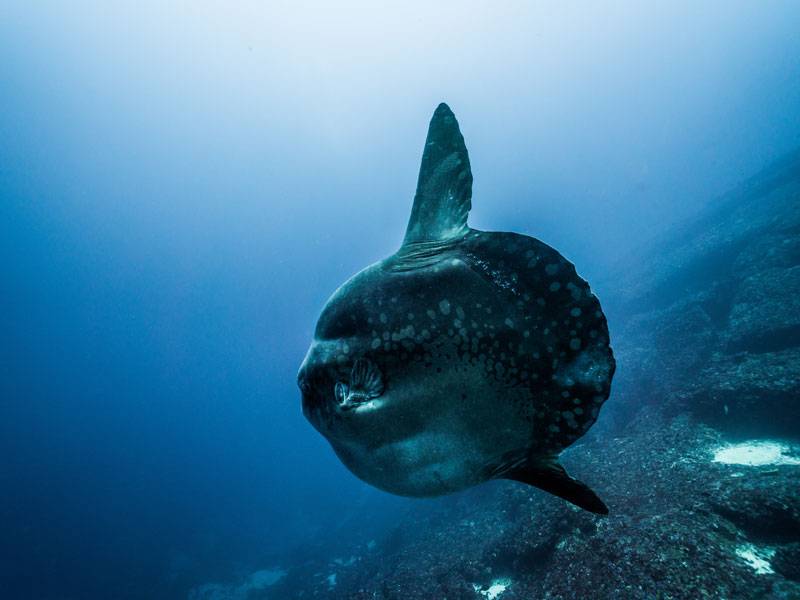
(551,477)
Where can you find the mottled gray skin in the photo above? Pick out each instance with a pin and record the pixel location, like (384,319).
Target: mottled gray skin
(485,353)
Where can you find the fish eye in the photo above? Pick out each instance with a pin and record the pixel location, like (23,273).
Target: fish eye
(340,391)
(303,384)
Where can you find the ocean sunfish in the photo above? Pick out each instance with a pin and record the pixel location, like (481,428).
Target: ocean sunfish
(465,356)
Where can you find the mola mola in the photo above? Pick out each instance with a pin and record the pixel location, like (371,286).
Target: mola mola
(465,356)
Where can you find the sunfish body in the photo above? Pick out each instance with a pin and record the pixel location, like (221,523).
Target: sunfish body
(465,356)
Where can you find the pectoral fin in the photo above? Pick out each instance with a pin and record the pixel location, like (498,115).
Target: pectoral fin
(551,477)
(366,378)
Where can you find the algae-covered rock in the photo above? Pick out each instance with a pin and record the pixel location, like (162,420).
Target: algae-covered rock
(681,525)
(765,316)
(708,318)
(747,392)
(787,561)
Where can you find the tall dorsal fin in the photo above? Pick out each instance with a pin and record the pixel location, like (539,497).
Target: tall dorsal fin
(444,188)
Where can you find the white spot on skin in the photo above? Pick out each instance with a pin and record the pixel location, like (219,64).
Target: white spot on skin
(444,306)
(383,318)
(555,286)
(756,454)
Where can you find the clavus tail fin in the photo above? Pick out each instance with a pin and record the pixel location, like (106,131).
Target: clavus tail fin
(550,476)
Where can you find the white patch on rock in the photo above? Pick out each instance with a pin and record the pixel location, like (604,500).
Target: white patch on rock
(495,589)
(756,558)
(257,581)
(265,578)
(756,453)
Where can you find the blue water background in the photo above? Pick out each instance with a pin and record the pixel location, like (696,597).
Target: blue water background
(182,187)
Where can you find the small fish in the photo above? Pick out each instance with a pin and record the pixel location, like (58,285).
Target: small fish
(465,356)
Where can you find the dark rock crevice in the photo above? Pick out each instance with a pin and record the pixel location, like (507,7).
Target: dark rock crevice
(775,340)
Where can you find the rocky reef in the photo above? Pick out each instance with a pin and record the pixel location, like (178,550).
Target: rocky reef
(697,454)
(710,322)
(682,525)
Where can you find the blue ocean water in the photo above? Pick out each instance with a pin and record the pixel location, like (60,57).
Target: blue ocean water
(182,187)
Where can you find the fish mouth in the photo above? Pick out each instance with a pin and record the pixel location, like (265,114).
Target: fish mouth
(359,392)
(361,407)
(347,401)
